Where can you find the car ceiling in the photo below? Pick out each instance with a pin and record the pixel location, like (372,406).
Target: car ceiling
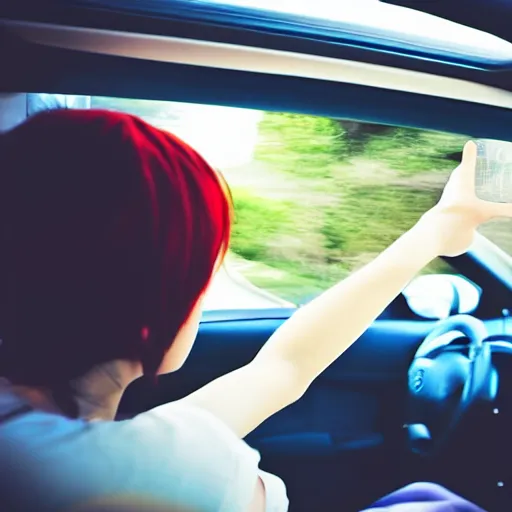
(190,19)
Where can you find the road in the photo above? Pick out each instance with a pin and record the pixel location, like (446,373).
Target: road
(229,290)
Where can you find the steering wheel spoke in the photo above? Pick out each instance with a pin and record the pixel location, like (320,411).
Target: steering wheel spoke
(446,378)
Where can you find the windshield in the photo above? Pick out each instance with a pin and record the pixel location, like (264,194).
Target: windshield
(315,198)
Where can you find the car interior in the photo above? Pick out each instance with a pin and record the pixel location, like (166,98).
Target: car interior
(426,393)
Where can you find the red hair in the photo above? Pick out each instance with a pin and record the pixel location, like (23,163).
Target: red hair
(110,232)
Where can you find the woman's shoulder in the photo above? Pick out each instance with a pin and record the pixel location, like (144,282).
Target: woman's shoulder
(176,454)
(187,428)
(192,452)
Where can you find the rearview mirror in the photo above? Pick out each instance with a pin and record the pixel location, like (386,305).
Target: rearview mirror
(437,296)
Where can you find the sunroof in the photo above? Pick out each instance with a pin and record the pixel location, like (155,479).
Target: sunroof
(371,23)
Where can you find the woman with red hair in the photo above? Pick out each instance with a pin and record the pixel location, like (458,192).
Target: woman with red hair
(105,259)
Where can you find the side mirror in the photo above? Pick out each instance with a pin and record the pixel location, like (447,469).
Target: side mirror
(437,296)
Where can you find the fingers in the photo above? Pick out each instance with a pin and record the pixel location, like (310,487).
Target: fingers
(495,210)
(462,180)
(502,210)
(469,154)
(468,167)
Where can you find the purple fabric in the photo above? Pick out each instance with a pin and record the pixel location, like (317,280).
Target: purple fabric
(423,497)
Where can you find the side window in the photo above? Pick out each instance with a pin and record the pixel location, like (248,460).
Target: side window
(315,198)
(322,197)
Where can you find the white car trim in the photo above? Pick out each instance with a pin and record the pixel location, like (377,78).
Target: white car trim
(258,60)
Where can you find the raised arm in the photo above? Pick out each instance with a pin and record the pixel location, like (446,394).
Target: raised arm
(321,331)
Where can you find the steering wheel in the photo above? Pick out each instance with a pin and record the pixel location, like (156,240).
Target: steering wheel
(451,371)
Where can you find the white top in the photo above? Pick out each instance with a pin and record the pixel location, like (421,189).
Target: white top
(179,457)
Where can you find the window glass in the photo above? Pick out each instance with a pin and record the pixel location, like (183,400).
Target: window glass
(315,198)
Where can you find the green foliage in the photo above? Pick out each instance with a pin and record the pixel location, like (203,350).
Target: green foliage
(335,238)
(367,201)
(257,219)
(372,217)
(410,151)
(301,145)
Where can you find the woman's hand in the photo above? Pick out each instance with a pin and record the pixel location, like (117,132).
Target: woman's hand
(459,212)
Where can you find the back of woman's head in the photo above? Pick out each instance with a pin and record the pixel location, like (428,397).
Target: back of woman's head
(110,230)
